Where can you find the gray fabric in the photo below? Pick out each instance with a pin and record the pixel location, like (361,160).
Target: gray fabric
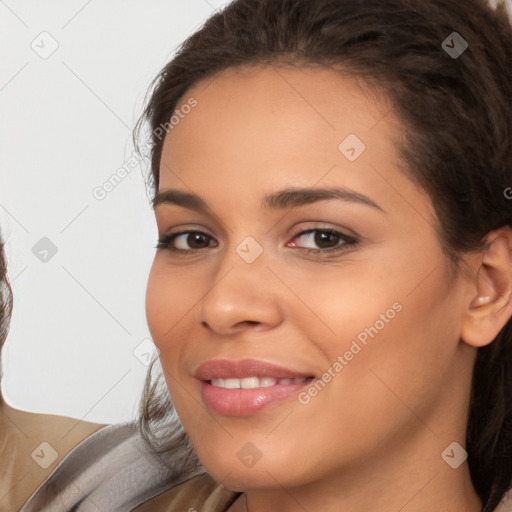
(110,471)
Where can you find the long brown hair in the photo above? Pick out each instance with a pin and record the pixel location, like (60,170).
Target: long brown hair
(5,302)
(458,116)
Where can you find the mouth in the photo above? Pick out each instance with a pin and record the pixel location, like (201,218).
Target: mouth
(244,388)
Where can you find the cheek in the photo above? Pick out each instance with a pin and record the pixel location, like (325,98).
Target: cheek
(400,359)
(164,308)
(339,305)
(394,332)
(171,298)
(168,300)
(156,306)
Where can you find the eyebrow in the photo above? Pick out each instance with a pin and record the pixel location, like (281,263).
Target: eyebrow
(287,198)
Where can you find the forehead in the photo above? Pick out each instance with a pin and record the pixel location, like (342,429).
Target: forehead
(287,102)
(270,110)
(258,128)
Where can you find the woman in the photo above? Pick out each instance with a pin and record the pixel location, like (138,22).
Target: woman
(331,294)
(331,290)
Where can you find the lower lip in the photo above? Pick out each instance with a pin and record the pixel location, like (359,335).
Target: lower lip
(244,402)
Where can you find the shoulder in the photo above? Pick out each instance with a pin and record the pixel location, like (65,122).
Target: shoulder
(32,445)
(112,469)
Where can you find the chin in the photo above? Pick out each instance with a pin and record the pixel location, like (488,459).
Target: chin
(237,472)
(242,480)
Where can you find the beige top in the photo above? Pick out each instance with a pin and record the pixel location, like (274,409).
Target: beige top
(56,464)
(25,461)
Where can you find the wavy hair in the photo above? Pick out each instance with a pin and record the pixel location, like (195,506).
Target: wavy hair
(5,302)
(458,147)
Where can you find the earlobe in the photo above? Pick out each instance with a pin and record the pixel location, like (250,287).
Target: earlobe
(490,307)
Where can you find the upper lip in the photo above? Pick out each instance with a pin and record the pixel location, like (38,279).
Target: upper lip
(227,369)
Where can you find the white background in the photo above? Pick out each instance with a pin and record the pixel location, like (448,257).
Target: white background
(65,128)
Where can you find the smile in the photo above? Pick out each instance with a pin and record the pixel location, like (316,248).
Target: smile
(246,387)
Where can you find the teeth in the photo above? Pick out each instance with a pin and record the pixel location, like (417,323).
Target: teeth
(254,382)
(265,382)
(231,383)
(250,382)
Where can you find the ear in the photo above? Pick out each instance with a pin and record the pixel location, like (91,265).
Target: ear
(490,298)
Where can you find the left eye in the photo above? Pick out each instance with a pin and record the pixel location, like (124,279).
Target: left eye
(325,240)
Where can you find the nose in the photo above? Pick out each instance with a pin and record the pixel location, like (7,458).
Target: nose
(241,296)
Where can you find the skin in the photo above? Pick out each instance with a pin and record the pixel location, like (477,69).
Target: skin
(376,432)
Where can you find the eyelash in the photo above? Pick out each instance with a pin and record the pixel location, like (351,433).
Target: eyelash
(166,241)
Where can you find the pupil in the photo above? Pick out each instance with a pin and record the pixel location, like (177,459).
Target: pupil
(195,239)
(322,237)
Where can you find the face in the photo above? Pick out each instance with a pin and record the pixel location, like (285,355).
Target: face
(303,308)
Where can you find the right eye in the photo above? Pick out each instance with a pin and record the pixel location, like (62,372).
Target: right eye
(185,241)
